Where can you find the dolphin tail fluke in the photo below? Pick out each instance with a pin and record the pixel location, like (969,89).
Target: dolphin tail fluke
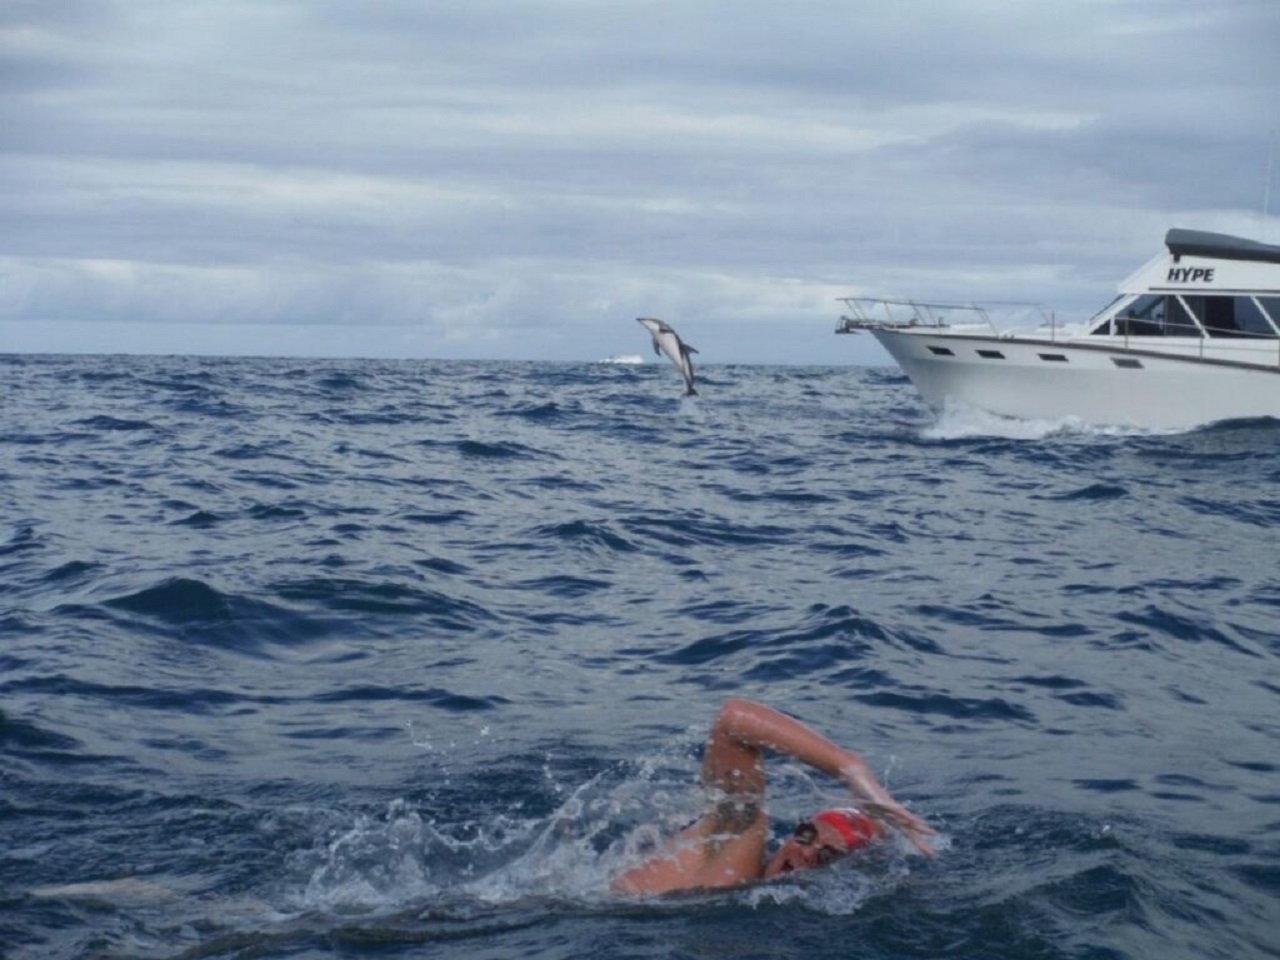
(690,392)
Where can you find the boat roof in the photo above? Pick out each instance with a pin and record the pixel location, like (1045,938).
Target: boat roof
(1219,246)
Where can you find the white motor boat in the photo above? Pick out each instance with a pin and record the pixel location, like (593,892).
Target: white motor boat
(1192,338)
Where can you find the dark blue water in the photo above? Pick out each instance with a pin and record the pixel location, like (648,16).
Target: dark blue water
(398,659)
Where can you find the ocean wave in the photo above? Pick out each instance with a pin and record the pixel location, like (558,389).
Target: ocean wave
(588,534)
(406,651)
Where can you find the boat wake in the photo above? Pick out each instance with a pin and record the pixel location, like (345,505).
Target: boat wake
(958,421)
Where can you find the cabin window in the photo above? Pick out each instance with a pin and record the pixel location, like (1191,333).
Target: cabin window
(1252,313)
(1271,305)
(1157,315)
(1152,315)
(1142,318)
(1230,316)
(1054,357)
(940,351)
(1127,363)
(1216,313)
(991,354)
(1177,321)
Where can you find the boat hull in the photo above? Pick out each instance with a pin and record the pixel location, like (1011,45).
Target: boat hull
(1106,385)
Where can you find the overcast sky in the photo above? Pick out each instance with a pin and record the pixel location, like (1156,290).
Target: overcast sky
(521,179)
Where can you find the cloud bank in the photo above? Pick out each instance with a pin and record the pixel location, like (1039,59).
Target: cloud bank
(521,179)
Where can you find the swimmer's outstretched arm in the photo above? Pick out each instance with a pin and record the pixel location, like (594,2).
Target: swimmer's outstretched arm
(734,763)
(726,846)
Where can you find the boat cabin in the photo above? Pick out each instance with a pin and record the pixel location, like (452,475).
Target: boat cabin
(1207,285)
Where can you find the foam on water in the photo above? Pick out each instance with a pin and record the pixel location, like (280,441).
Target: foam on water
(960,422)
(401,859)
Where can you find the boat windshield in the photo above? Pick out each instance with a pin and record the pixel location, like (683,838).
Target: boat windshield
(1230,316)
(1171,315)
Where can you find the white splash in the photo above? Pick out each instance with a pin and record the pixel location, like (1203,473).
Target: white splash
(960,422)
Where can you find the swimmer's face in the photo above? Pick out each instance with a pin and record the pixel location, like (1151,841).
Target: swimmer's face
(812,844)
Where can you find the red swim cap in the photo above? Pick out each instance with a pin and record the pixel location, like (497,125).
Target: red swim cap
(854,826)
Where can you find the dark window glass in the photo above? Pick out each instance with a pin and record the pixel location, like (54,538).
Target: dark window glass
(1142,318)
(1158,315)
(1250,319)
(1178,322)
(1272,306)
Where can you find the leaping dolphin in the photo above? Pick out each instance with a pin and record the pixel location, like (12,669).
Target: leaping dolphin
(666,340)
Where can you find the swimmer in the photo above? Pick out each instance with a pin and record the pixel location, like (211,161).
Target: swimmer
(728,846)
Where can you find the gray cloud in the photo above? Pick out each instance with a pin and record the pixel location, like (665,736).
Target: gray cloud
(522,178)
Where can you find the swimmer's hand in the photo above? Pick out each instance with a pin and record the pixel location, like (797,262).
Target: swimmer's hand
(904,821)
(874,800)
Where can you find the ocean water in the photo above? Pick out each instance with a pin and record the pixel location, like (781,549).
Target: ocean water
(403,659)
